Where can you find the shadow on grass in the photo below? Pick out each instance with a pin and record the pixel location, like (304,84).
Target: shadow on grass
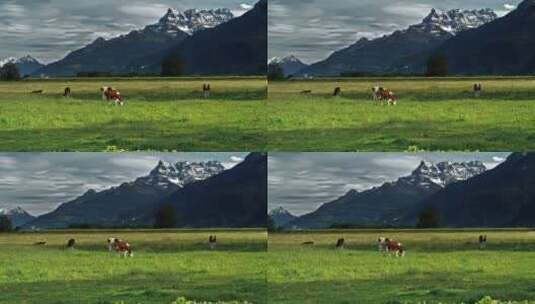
(137,287)
(410,287)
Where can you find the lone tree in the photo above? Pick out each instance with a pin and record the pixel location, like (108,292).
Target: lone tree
(9,72)
(429,218)
(165,218)
(5,224)
(275,72)
(173,65)
(437,66)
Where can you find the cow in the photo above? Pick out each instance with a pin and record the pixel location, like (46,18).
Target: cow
(337,92)
(308,243)
(212,241)
(112,243)
(382,95)
(122,247)
(67,92)
(482,242)
(206,90)
(71,243)
(394,247)
(381,244)
(340,244)
(110,94)
(477,89)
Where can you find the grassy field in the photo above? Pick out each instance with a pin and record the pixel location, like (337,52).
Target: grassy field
(440,267)
(167,265)
(432,114)
(160,114)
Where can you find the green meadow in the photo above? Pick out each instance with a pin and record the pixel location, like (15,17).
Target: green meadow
(431,115)
(169,266)
(440,266)
(164,114)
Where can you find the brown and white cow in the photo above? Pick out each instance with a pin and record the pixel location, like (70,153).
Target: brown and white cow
(110,94)
(120,246)
(394,247)
(382,95)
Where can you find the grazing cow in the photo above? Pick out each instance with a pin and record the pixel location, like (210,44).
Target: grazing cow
(382,95)
(37,92)
(212,241)
(482,242)
(112,243)
(115,96)
(337,91)
(123,248)
(71,243)
(395,247)
(477,89)
(67,92)
(309,243)
(39,243)
(381,244)
(306,92)
(104,91)
(206,90)
(340,244)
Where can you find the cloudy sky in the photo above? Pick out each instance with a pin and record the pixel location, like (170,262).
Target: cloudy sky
(39,182)
(313,29)
(49,29)
(301,182)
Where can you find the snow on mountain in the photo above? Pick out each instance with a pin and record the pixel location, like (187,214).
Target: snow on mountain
(289,64)
(281,216)
(442,174)
(190,21)
(454,21)
(180,173)
(22,60)
(18,216)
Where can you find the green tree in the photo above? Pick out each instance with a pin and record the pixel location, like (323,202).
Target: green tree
(9,72)
(429,218)
(165,218)
(275,72)
(5,224)
(437,66)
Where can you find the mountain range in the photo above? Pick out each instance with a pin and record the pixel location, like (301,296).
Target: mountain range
(386,205)
(502,197)
(237,47)
(281,217)
(233,195)
(207,42)
(404,51)
(26,65)
(18,216)
(289,64)
(137,50)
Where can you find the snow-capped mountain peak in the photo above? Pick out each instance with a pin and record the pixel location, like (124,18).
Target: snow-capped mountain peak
(441,174)
(180,173)
(454,21)
(190,21)
(13,211)
(284,60)
(279,211)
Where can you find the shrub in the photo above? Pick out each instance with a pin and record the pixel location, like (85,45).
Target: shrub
(5,224)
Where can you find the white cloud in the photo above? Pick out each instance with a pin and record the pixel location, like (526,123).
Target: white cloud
(509,7)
